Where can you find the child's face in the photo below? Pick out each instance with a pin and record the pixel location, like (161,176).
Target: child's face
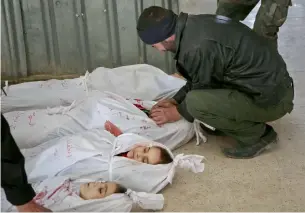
(97,190)
(144,154)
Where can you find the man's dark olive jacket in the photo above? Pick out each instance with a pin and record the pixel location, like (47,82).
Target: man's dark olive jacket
(214,52)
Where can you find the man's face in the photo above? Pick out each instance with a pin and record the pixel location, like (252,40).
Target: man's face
(165,46)
(97,190)
(144,154)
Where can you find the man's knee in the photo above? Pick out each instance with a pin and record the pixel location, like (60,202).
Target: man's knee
(197,102)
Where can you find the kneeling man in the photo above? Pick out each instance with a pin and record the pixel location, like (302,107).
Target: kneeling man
(236,80)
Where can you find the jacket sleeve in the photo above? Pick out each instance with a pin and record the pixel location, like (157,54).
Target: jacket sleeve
(13,177)
(200,64)
(180,95)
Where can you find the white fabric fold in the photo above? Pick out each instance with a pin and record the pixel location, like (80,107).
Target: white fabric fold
(190,162)
(198,131)
(146,200)
(85,79)
(61,109)
(199,135)
(6,87)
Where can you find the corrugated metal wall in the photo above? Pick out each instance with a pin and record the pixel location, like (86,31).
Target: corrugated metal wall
(71,36)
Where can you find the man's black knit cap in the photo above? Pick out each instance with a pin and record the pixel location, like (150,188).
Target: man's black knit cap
(156,24)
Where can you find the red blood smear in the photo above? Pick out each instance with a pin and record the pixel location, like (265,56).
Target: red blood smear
(40,195)
(139,106)
(58,188)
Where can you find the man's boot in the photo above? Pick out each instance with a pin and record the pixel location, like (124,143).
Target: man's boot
(250,151)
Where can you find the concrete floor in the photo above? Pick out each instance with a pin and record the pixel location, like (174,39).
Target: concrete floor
(274,181)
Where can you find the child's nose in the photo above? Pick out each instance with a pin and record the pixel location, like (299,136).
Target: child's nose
(139,156)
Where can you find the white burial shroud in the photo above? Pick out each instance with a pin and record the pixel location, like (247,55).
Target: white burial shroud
(60,195)
(93,154)
(140,81)
(33,127)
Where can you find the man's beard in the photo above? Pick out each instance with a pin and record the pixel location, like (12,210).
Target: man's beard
(169,46)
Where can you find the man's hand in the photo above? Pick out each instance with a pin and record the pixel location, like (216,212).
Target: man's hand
(32,207)
(164,103)
(113,129)
(162,115)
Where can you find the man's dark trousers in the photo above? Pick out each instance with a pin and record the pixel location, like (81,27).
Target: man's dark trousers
(235,114)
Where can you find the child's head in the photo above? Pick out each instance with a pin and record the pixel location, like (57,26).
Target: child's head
(150,155)
(97,190)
